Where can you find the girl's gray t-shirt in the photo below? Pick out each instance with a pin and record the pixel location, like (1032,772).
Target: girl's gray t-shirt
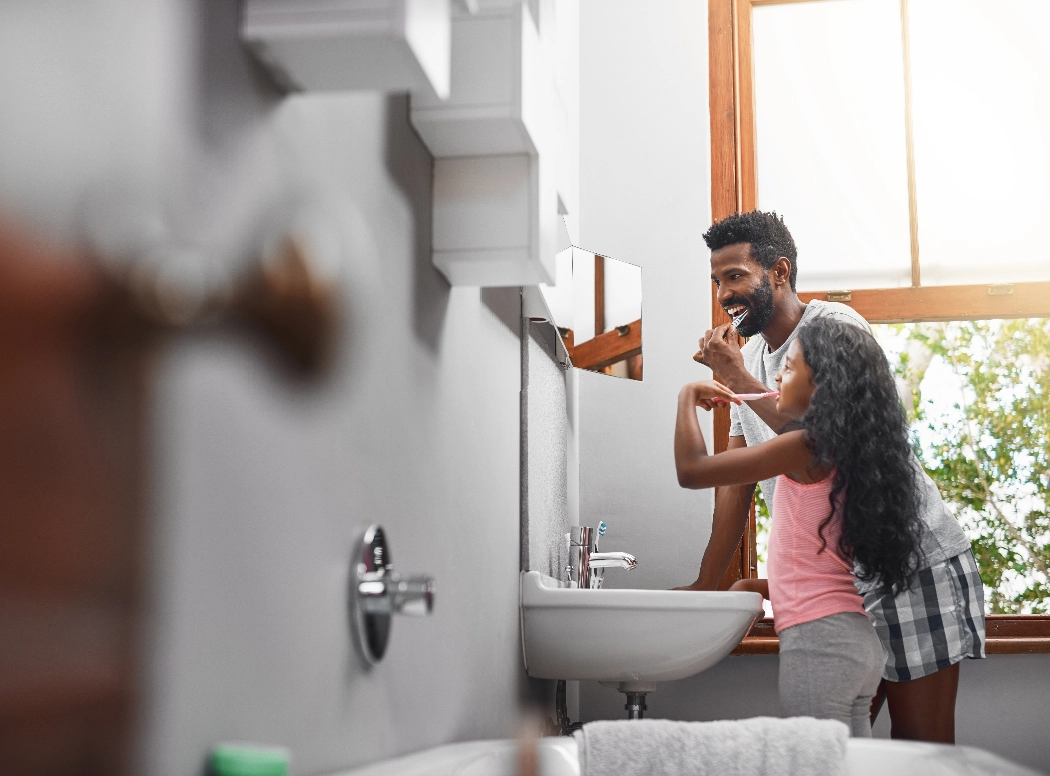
(943,538)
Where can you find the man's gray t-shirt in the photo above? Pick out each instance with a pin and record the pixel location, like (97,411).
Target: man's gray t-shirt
(943,538)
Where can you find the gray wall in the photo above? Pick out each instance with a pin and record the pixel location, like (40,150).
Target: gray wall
(645,198)
(550,476)
(260,484)
(545,433)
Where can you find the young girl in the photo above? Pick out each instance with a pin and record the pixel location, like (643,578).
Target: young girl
(844,505)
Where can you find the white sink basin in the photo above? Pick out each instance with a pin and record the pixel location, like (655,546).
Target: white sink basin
(629,637)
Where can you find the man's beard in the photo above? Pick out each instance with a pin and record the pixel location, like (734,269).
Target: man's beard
(759,306)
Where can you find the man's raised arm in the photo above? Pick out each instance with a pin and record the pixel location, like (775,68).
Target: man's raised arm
(732,510)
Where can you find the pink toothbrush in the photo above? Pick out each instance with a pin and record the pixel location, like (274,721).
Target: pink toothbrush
(749,396)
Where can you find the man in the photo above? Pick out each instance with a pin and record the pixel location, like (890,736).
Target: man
(925,631)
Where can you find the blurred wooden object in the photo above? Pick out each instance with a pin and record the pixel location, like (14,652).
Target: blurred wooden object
(76,345)
(72,399)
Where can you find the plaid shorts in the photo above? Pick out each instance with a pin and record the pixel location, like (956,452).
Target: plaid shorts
(935,623)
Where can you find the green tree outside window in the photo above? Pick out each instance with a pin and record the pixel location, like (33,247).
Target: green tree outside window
(978,400)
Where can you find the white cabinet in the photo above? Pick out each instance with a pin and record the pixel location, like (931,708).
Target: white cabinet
(505,143)
(496,104)
(495,98)
(333,45)
(496,220)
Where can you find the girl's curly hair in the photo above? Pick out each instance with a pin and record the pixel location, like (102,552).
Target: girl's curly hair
(855,422)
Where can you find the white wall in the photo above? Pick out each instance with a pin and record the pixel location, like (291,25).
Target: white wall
(645,185)
(645,198)
(261,485)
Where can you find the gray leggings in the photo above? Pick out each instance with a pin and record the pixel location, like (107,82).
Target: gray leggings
(830,669)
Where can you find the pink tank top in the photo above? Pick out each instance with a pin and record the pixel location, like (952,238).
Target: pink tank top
(805,585)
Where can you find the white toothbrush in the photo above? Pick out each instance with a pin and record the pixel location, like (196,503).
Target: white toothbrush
(736,324)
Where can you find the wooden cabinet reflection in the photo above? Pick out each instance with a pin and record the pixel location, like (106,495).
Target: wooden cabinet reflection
(600,353)
(611,291)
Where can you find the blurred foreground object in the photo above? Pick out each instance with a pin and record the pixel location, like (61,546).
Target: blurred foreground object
(76,343)
(71,443)
(249,760)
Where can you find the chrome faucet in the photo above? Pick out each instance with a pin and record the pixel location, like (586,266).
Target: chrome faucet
(586,568)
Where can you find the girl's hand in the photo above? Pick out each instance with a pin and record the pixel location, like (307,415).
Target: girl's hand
(708,394)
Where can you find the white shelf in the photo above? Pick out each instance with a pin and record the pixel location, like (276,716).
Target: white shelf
(336,45)
(505,143)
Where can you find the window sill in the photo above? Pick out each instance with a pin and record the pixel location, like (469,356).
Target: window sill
(1007,635)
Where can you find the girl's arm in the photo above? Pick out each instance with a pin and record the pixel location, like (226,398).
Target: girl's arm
(752,586)
(743,466)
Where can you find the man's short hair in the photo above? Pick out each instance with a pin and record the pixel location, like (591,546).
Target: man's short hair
(766,232)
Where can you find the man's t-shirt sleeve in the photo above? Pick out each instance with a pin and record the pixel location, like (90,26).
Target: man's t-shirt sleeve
(735,427)
(846,313)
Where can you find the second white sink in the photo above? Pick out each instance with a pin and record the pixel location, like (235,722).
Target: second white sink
(629,637)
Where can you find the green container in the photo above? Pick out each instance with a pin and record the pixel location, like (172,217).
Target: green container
(249,760)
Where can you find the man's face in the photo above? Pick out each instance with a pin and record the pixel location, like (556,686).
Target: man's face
(743,284)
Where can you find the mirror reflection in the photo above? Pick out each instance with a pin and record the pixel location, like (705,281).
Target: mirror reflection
(596,304)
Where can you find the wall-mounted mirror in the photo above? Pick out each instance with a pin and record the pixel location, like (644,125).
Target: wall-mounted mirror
(596,305)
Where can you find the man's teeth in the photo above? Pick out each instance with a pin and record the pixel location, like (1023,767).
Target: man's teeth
(735,311)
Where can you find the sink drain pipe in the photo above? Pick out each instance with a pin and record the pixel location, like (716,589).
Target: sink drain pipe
(635,705)
(562,726)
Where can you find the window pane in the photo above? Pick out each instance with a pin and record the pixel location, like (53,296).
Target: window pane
(623,293)
(829,119)
(582,295)
(981,80)
(559,296)
(975,393)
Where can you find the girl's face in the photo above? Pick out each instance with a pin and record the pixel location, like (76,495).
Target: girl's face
(795,382)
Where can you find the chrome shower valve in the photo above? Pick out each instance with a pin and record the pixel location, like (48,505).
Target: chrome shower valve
(377,592)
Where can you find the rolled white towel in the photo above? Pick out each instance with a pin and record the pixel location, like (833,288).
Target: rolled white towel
(762,746)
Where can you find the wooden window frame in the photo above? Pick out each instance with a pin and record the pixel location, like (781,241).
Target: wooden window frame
(622,343)
(734,189)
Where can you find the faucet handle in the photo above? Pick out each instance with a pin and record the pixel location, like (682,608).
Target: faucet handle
(412,596)
(377,592)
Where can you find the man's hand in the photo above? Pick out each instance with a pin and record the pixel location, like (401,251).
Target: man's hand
(721,355)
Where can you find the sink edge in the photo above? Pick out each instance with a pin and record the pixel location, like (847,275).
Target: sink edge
(534,593)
